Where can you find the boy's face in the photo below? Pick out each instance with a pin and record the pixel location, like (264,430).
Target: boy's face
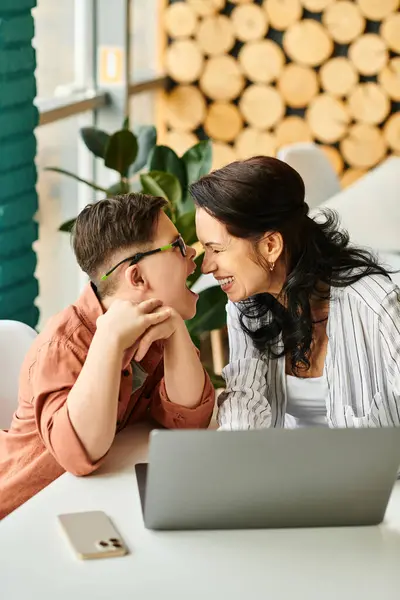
(162,275)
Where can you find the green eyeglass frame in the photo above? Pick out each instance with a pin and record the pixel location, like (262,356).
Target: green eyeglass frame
(178,243)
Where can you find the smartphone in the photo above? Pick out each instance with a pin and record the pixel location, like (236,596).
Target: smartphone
(92,535)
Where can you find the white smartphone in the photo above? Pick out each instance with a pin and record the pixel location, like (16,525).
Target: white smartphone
(92,535)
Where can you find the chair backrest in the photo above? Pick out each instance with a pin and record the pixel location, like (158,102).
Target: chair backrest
(15,341)
(320,179)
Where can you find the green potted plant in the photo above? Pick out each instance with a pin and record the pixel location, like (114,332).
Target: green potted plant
(142,165)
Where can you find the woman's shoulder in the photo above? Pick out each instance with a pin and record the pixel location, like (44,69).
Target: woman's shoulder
(371,291)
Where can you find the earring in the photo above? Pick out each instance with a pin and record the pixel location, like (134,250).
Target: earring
(271,266)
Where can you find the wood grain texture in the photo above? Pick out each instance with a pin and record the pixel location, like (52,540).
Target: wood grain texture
(389,78)
(283,13)
(344,21)
(249,22)
(252,142)
(390,32)
(222,78)
(391,132)
(205,8)
(298,85)
(338,76)
(292,130)
(256,75)
(223,154)
(364,146)
(185,108)
(308,43)
(184,61)
(180,20)
(328,118)
(223,122)
(316,5)
(180,141)
(261,106)
(376,10)
(262,61)
(215,35)
(369,103)
(369,54)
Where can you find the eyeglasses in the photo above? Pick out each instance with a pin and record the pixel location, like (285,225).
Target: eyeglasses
(178,243)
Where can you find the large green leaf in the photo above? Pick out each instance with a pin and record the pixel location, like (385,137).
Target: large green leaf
(198,161)
(67,226)
(210,312)
(166,185)
(186,226)
(121,151)
(73,176)
(121,187)
(163,158)
(147,138)
(187,204)
(196,340)
(217,380)
(95,140)
(195,276)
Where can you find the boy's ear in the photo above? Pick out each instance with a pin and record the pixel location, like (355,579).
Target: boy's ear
(135,278)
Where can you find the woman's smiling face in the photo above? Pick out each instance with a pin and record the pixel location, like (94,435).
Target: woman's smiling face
(232,261)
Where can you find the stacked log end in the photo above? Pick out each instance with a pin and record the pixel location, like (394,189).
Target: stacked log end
(254,77)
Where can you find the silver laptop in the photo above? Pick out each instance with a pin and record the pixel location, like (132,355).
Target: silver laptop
(310,477)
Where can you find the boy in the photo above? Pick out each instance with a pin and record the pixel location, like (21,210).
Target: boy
(120,354)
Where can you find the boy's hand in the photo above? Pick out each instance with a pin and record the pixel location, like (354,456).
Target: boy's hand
(160,331)
(126,321)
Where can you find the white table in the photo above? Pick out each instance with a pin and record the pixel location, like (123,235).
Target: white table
(302,564)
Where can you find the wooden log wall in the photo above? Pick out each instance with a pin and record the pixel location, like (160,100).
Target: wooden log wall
(255,75)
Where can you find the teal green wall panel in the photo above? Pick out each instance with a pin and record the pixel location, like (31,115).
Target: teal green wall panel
(17,181)
(19,238)
(18,298)
(18,210)
(16,30)
(16,6)
(18,120)
(19,60)
(29,315)
(18,197)
(17,90)
(17,268)
(17,152)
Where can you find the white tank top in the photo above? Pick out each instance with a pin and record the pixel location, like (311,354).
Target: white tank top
(306,400)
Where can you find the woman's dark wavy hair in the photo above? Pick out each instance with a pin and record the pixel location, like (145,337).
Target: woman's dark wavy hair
(263,194)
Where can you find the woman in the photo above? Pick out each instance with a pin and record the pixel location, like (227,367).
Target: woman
(314,323)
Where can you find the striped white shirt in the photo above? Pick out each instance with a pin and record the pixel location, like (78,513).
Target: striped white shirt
(362,365)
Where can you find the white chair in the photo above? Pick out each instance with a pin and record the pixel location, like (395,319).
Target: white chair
(320,179)
(15,341)
(370,208)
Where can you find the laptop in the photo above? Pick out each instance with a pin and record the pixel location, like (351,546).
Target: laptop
(312,477)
